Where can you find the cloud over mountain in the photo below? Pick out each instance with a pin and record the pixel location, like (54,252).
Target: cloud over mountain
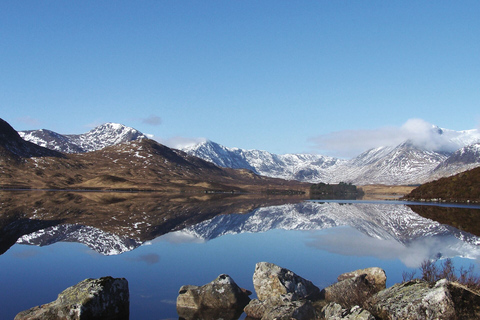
(349,143)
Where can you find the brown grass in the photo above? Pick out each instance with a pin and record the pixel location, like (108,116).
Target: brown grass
(384,192)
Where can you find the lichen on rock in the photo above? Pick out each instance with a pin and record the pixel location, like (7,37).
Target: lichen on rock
(104,298)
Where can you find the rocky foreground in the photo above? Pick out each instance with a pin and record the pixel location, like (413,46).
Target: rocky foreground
(360,295)
(281,295)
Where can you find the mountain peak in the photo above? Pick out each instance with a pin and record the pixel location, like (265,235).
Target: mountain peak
(102,136)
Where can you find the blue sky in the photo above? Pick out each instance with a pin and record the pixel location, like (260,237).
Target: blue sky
(279,76)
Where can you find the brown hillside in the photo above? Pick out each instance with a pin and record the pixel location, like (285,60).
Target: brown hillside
(463,187)
(135,165)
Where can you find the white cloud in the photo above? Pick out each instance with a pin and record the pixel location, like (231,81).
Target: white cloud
(350,143)
(179,142)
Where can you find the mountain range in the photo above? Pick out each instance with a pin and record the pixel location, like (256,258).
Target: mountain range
(446,153)
(404,164)
(136,164)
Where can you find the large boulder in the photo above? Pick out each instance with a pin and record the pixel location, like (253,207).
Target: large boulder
(270,280)
(351,291)
(418,299)
(375,276)
(105,298)
(221,293)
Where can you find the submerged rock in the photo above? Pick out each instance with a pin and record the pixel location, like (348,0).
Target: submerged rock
(221,293)
(270,280)
(105,298)
(418,299)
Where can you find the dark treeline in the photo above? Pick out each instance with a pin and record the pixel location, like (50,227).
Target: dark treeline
(334,189)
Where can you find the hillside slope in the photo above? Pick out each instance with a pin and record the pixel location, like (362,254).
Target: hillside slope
(463,187)
(139,165)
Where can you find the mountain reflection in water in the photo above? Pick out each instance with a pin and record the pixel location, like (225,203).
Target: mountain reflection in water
(173,240)
(112,223)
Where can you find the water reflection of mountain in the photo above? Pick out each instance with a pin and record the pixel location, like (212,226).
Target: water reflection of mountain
(110,223)
(114,223)
(381,221)
(401,232)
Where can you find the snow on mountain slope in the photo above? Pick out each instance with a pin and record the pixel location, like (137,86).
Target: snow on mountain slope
(303,167)
(461,160)
(105,135)
(412,162)
(404,164)
(51,140)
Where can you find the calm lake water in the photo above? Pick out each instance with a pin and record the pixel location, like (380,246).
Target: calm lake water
(51,241)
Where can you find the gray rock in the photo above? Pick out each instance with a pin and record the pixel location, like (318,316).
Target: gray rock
(103,298)
(418,299)
(334,311)
(350,292)
(270,280)
(221,293)
(375,276)
(299,310)
(210,314)
(257,309)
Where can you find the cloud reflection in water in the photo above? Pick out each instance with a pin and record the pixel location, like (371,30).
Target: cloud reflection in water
(348,241)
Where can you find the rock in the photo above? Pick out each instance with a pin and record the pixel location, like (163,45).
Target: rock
(221,293)
(103,298)
(418,299)
(299,310)
(334,311)
(210,314)
(350,292)
(270,280)
(257,309)
(376,276)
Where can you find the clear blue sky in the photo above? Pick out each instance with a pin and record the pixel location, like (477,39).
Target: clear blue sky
(269,75)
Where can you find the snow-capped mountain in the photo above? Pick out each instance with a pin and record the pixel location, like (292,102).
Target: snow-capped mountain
(303,167)
(403,164)
(446,140)
(427,156)
(410,162)
(461,160)
(105,135)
